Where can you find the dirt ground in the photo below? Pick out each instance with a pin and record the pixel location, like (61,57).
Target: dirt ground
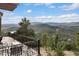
(69,53)
(53,53)
(46,53)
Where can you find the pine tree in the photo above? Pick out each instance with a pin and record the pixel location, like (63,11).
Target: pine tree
(24,28)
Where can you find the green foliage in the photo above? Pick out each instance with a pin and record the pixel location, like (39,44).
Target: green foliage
(24,33)
(77,40)
(59,45)
(53,43)
(3,33)
(25,29)
(44,39)
(24,23)
(56,40)
(69,45)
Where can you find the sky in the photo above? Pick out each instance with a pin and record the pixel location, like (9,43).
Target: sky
(42,12)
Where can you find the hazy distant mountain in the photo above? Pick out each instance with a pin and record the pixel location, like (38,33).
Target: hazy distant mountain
(9,27)
(66,29)
(64,24)
(41,27)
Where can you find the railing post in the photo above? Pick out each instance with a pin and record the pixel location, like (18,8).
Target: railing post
(21,49)
(0,39)
(39,48)
(2,50)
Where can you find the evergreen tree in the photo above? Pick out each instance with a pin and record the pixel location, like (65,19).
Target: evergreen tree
(44,40)
(58,45)
(77,40)
(25,28)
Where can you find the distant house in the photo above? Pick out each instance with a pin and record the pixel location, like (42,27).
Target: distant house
(12,32)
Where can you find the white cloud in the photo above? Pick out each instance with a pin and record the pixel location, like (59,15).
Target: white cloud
(6,13)
(60,18)
(41,4)
(71,7)
(44,17)
(11,19)
(26,4)
(68,15)
(51,6)
(48,5)
(38,4)
(29,11)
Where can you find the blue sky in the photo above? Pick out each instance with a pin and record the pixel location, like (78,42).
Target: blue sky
(40,9)
(43,12)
